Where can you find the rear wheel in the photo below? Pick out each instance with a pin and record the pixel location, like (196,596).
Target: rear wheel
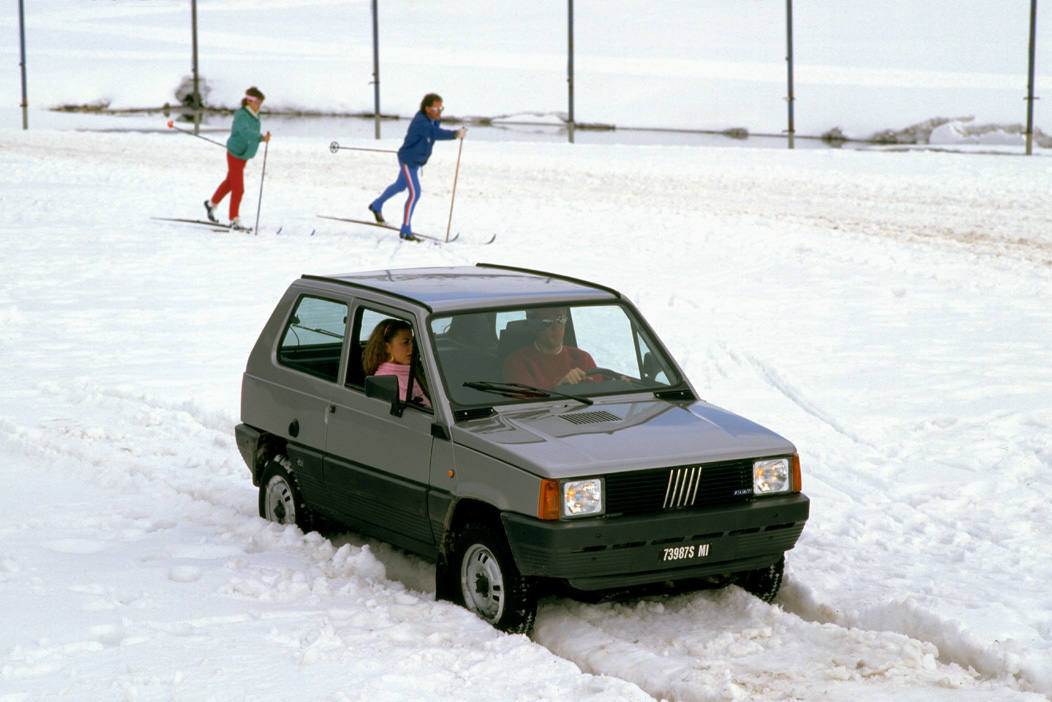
(763,582)
(490,584)
(279,496)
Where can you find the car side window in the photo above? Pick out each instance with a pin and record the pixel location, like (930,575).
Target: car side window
(365,322)
(313,337)
(389,328)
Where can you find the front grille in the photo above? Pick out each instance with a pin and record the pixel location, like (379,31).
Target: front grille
(678,487)
(682,489)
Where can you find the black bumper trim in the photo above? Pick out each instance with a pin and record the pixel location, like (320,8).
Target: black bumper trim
(247,440)
(601,553)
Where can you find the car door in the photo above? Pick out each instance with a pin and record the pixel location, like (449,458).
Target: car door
(377,464)
(308,354)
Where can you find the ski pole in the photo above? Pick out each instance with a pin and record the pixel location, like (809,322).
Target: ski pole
(334,147)
(266,144)
(456,174)
(171,125)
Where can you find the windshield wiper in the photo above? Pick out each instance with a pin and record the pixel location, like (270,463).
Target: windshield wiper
(518,389)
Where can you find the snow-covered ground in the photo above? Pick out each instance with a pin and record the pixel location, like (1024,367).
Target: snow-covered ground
(888,312)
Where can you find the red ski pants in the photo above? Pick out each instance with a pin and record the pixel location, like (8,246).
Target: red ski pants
(234,184)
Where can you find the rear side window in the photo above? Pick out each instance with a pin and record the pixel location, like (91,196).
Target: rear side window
(313,338)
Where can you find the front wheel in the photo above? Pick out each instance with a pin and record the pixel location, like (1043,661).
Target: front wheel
(279,496)
(490,584)
(763,582)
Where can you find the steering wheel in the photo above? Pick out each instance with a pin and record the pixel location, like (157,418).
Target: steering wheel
(608,374)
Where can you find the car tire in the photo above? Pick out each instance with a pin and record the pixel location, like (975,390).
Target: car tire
(488,582)
(763,582)
(280,499)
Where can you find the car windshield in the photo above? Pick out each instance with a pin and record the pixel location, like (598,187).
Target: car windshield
(529,354)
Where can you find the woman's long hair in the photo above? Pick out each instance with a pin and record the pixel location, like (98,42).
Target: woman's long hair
(376,348)
(375,351)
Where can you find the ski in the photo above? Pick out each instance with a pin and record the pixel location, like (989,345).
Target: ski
(386,226)
(395,229)
(215,226)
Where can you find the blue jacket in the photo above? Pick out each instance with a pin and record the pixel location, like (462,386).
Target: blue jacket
(421,137)
(244,135)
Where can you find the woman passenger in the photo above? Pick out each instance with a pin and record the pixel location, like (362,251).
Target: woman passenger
(389,351)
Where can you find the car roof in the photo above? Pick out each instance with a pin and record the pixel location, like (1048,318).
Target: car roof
(455,288)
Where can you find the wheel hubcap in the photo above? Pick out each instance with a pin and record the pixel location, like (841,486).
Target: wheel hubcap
(482,583)
(280,507)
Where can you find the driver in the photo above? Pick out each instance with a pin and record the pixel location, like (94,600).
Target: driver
(546,362)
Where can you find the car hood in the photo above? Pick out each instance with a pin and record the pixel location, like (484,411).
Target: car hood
(560,440)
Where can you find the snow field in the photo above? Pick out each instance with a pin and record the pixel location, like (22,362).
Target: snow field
(887,312)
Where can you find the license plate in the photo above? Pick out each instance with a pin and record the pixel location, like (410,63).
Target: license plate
(684,554)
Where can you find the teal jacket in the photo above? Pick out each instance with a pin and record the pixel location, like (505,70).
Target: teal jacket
(244,135)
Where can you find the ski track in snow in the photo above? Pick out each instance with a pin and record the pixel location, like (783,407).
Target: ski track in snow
(130,439)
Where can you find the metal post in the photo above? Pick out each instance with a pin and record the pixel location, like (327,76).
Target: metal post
(1030,81)
(376,71)
(790,99)
(22,44)
(569,67)
(197,95)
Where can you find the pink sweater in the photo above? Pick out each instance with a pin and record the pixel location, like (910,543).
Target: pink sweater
(402,373)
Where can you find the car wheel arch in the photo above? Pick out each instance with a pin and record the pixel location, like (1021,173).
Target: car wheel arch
(462,513)
(268,447)
(280,485)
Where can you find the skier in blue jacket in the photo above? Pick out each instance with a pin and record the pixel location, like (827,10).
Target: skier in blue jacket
(423,132)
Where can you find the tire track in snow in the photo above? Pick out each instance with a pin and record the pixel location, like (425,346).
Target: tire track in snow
(718,637)
(905,616)
(997,663)
(126,437)
(728,645)
(774,379)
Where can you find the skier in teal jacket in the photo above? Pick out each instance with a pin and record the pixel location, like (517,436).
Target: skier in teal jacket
(240,147)
(423,132)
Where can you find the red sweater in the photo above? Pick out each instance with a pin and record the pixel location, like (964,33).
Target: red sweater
(544,370)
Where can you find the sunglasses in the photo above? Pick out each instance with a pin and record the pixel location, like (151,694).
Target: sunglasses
(557,319)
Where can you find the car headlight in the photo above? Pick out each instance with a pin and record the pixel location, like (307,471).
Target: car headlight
(772,476)
(582,497)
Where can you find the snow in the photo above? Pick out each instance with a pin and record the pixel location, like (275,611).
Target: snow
(887,312)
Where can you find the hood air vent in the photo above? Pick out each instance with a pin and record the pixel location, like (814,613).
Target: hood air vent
(596,417)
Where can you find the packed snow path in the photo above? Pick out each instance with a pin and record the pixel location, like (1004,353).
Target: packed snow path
(889,313)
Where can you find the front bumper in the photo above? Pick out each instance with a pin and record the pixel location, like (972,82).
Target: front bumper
(600,553)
